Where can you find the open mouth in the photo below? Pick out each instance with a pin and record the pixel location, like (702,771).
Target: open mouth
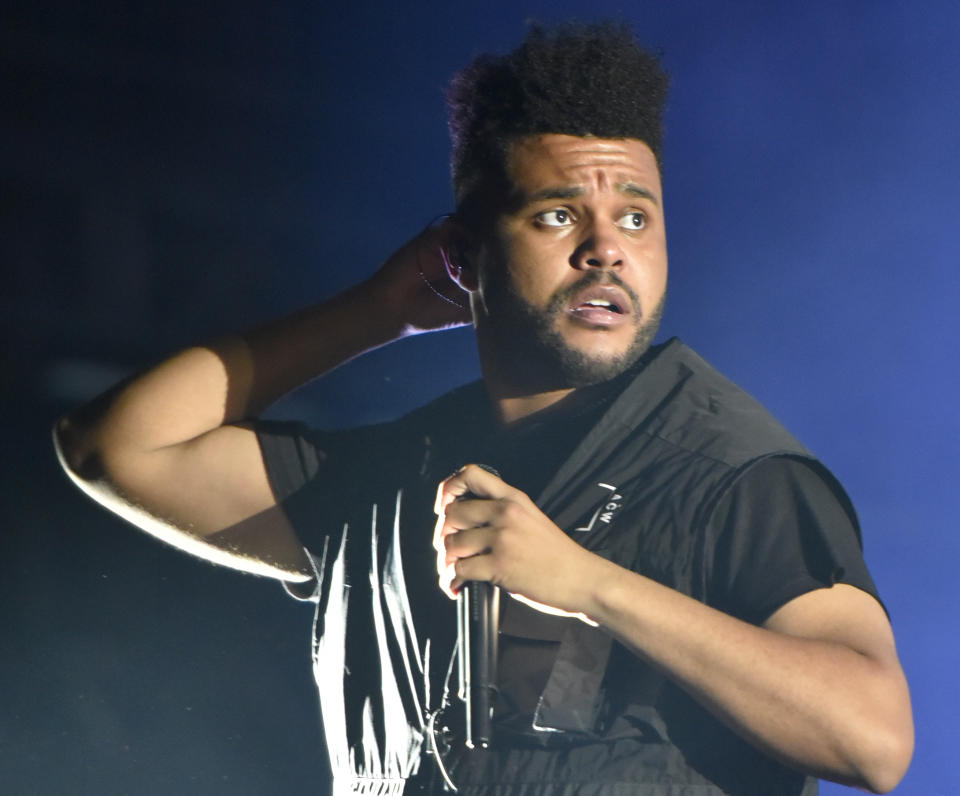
(601,305)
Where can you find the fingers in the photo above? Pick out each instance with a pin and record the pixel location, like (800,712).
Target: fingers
(470,513)
(489,531)
(467,543)
(471,479)
(462,531)
(433,248)
(462,556)
(415,284)
(476,567)
(456,514)
(468,556)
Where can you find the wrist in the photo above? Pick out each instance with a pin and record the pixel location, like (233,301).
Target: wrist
(372,312)
(609,589)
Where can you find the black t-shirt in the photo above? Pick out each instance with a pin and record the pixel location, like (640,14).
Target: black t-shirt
(719,502)
(780,522)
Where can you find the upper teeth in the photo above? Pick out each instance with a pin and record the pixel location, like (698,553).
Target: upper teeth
(598,303)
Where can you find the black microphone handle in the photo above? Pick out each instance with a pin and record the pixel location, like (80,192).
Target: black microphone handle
(478,618)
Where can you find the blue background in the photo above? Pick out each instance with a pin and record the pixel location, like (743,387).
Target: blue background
(170,173)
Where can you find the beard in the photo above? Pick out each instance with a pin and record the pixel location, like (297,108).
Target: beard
(541,357)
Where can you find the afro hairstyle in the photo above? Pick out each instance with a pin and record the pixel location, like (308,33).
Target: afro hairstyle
(579,79)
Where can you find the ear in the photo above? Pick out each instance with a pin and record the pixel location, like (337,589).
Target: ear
(456,259)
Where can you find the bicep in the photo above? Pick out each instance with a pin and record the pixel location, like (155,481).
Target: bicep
(210,483)
(209,496)
(841,614)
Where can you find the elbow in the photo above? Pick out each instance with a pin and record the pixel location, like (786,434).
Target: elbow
(66,447)
(884,766)
(77,455)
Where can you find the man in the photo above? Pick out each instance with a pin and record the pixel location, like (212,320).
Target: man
(692,612)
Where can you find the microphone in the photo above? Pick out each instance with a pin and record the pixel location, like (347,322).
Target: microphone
(478,619)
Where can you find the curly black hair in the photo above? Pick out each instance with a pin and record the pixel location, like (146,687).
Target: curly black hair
(579,79)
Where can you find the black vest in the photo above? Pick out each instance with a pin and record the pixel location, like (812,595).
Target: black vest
(639,490)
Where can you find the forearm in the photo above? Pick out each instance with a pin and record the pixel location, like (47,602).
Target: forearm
(205,387)
(166,451)
(159,450)
(818,705)
(272,360)
(818,687)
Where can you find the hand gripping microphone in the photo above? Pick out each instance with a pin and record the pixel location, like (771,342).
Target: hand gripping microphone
(478,618)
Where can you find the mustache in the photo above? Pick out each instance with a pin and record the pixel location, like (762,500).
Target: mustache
(597,277)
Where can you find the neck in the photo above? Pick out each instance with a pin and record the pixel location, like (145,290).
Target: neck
(515,385)
(513,400)
(519,386)
(510,408)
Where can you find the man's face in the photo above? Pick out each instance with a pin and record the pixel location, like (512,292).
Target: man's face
(575,277)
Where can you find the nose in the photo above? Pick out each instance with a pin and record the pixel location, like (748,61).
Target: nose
(599,249)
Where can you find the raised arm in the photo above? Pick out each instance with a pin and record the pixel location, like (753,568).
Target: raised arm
(170,451)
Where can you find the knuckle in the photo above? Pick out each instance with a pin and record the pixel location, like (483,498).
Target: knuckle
(510,510)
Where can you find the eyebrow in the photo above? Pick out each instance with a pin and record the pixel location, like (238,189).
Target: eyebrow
(573,191)
(632,189)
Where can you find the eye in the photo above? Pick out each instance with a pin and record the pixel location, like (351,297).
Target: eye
(558,217)
(633,220)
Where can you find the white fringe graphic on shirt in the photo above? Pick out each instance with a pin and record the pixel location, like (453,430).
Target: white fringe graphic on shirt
(379,771)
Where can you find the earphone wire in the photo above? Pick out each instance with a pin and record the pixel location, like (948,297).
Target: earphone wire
(446,262)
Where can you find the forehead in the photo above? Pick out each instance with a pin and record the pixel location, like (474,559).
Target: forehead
(541,162)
